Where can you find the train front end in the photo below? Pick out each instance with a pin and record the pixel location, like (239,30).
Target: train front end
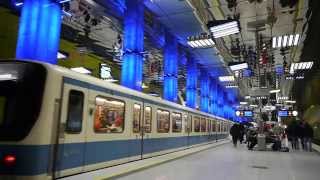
(22,85)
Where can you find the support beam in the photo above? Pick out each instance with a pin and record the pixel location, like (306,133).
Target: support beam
(204,91)
(132,67)
(39,31)
(170,85)
(191,89)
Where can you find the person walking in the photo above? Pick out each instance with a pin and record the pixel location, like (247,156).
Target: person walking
(307,136)
(235,133)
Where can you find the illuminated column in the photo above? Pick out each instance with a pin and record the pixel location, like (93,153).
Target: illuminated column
(170,66)
(213,96)
(191,89)
(220,100)
(132,67)
(39,31)
(204,91)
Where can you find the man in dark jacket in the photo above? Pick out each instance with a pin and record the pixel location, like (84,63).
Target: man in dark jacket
(235,133)
(307,136)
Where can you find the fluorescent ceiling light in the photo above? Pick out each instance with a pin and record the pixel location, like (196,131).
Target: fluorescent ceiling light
(18,4)
(240,66)
(283,98)
(243,103)
(253,105)
(231,86)
(81,70)
(290,101)
(202,41)
(224,29)
(226,78)
(285,41)
(296,40)
(300,66)
(274,91)
(247,97)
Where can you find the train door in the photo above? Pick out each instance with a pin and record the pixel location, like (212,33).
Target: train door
(69,158)
(136,145)
(188,129)
(146,129)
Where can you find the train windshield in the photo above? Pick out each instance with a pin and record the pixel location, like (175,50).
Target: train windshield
(21,90)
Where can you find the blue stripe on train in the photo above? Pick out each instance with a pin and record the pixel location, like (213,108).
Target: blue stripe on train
(32,160)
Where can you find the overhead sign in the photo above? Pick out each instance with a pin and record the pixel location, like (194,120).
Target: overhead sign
(241,113)
(286,113)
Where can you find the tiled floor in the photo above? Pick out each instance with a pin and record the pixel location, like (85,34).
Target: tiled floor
(229,163)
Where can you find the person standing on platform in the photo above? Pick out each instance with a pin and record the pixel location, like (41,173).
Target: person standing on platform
(235,133)
(307,136)
(242,131)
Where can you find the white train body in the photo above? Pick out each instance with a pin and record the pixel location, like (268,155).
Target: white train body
(80,123)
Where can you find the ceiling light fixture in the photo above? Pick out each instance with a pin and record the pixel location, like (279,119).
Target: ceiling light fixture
(226,78)
(253,105)
(300,66)
(223,28)
(202,41)
(231,86)
(243,103)
(285,41)
(274,91)
(290,101)
(235,66)
(283,98)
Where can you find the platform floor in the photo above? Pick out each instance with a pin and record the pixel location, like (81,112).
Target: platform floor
(229,163)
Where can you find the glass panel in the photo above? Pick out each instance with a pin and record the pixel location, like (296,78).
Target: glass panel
(109,115)
(2,108)
(75,112)
(196,124)
(190,123)
(147,119)
(213,126)
(209,125)
(163,121)
(185,120)
(203,125)
(136,117)
(176,122)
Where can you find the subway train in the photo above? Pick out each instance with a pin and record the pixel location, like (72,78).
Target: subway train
(56,123)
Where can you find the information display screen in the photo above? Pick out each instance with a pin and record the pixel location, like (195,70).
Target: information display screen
(283,113)
(2,109)
(248,113)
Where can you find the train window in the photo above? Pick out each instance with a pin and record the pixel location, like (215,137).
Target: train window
(190,123)
(196,124)
(147,119)
(109,115)
(176,122)
(136,118)
(163,121)
(203,125)
(209,125)
(213,126)
(75,112)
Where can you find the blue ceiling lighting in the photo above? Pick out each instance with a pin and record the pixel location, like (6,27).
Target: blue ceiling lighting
(191,89)
(39,31)
(170,87)
(213,96)
(132,67)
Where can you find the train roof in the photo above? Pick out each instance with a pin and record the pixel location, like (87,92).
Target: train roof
(65,72)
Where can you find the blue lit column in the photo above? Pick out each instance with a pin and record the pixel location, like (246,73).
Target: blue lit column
(204,91)
(170,66)
(39,31)
(220,100)
(213,96)
(132,67)
(191,89)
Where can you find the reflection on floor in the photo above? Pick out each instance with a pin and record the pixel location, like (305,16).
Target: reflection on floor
(229,163)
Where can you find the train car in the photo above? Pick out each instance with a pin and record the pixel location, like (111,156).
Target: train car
(55,123)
